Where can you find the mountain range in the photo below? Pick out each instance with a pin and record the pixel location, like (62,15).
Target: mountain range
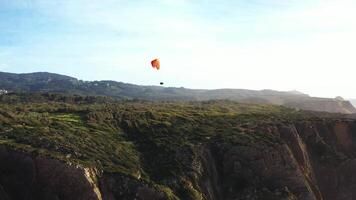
(56,83)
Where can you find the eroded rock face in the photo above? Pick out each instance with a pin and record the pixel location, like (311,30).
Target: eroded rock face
(247,168)
(224,171)
(331,157)
(25,177)
(312,160)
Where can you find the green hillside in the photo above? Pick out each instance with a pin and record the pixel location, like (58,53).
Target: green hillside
(150,141)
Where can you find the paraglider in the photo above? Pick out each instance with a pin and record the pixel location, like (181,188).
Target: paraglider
(156,64)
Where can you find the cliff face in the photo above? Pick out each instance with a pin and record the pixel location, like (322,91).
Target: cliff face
(23,176)
(331,160)
(307,160)
(314,160)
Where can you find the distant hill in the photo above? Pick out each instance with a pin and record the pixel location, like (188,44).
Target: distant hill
(56,83)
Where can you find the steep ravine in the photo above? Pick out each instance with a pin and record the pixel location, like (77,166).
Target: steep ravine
(308,160)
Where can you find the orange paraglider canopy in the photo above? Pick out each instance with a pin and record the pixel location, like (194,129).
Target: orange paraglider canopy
(156,64)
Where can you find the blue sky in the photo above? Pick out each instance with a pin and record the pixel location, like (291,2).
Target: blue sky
(307,45)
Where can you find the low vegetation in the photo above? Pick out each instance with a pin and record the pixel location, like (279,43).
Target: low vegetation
(137,138)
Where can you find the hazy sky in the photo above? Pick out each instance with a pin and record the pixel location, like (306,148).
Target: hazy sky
(307,45)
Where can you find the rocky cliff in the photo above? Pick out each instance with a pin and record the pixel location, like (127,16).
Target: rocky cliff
(25,176)
(208,151)
(308,160)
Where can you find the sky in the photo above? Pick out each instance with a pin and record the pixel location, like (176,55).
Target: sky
(304,45)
